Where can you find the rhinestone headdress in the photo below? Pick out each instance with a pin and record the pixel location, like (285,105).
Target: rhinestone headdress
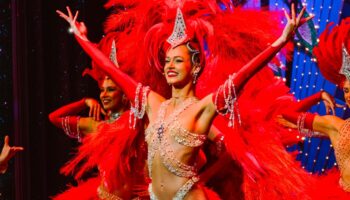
(179,34)
(345,68)
(113,54)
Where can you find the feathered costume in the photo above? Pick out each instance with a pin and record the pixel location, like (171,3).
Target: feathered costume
(229,42)
(116,149)
(119,152)
(333,60)
(226,41)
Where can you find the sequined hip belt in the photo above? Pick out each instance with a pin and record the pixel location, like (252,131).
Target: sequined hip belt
(181,193)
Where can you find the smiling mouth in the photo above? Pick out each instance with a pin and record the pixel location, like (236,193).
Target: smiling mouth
(106,101)
(171,73)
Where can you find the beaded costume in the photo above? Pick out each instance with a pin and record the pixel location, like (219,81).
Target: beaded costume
(342,152)
(117,149)
(257,148)
(159,147)
(335,67)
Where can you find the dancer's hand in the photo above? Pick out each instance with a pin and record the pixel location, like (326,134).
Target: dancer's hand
(7,153)
(78,28)
(95,109)
(293,23)
(329,103)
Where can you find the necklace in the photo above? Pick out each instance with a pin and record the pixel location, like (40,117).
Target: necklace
(114,116)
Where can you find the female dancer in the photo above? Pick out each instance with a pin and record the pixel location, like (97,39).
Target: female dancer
(333,60)
(118,151)
(178,126)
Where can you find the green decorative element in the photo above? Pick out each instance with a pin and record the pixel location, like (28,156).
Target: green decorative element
(306,34)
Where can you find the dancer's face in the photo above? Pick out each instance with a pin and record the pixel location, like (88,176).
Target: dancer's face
(178,68)
(346,90)
(110,95)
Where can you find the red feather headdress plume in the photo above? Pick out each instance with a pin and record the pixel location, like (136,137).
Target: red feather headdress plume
(329,51)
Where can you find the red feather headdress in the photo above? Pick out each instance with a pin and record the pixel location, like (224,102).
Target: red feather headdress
(329,51)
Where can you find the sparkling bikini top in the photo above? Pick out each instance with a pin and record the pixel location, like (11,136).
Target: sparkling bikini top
(159,134)
(342,147)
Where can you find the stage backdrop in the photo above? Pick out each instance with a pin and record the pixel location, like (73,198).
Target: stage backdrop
(45,65)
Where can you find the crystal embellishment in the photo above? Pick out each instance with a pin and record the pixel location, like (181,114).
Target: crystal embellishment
(160,132)
(345,68)
(179,34)
(342,152)
(113,54)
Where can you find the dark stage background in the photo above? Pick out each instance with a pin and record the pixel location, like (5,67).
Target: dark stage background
(41,68)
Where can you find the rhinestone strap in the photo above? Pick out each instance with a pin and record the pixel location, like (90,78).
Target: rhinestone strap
(182,135)
(154,142)
(228,92)
(138,111)
(65,123)
(161,141)
(168,155)
(181,193)
(174,165)
(185,137)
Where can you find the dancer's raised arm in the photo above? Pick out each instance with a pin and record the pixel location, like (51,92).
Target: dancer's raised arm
(263,58)
(73,125)
(222,99)
(135,92)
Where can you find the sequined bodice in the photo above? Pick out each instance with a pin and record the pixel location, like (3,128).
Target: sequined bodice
(342,147)
(158,138)
(342,153)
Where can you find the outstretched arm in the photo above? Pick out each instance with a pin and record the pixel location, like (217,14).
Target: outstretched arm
(135,92)
(223,101)
(263,58)
(296,116)
(65,117)
(309,124)
(7,153)
(308,102)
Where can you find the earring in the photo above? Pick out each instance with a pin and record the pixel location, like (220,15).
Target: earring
(195,77)
(195,73)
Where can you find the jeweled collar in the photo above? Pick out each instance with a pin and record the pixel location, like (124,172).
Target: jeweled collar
(114,116)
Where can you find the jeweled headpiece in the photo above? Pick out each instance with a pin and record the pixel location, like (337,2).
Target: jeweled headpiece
(345,68)
(113,54)
(108,46)
(179,35)
(192,28)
